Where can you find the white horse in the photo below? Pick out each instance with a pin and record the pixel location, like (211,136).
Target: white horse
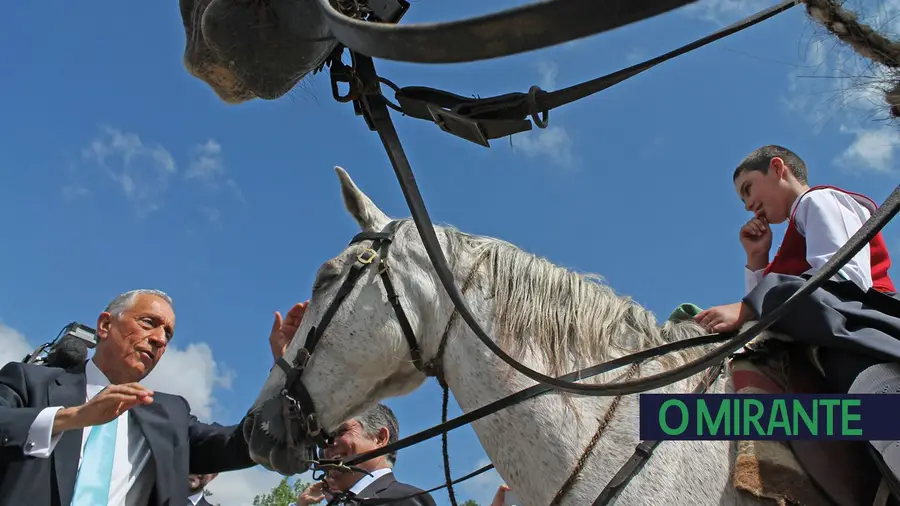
(551,319)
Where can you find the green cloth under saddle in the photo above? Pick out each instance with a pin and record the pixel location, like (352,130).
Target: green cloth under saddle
(685,311)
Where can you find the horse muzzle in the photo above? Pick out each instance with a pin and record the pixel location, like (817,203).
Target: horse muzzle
(281,438)
(254,49)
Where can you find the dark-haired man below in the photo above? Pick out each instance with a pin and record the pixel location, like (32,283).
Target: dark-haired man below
(196,485)
(371,430)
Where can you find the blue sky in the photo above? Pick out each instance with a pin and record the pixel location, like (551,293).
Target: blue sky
(119,170)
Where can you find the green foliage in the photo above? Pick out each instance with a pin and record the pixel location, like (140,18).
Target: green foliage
(470,502)
(281,495)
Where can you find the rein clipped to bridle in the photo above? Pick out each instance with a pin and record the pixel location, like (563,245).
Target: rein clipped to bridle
(479,120)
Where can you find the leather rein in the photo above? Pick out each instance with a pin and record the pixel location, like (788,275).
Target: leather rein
(479,120)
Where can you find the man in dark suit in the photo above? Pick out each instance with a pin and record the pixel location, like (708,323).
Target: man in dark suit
(91,435)
(196,485)
(373,429)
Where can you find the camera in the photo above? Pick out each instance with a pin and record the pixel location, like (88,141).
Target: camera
(68,349)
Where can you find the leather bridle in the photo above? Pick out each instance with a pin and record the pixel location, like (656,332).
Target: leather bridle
(301,407)
(479,120)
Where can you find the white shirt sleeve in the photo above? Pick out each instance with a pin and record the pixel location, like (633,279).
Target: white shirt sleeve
(828,218)
(41,440)
(751,278)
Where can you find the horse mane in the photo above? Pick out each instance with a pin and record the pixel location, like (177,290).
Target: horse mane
(573,319)
(864,40)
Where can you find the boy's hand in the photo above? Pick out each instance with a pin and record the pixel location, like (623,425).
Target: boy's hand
(756,238)
(724,318)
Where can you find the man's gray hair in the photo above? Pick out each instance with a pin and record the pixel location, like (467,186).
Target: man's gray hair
(374,419)
(125,300)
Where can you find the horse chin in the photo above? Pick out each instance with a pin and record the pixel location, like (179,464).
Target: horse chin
(253,49)
(268,445)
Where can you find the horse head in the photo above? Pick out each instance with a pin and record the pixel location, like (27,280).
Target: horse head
(350,351)
(246,49)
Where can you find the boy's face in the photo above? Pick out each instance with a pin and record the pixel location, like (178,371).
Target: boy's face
(767,195)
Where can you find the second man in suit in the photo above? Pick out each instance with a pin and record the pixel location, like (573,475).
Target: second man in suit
(373,429)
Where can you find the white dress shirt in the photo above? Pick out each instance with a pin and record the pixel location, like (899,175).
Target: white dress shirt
(831,217)
(364,482)
(367,480)
(133,473)
(195,498)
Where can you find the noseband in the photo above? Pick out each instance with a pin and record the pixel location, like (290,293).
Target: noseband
(299,404)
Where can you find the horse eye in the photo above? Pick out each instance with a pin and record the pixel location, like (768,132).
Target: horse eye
(325,277)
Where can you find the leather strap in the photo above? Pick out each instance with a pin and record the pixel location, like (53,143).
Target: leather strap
(517,30)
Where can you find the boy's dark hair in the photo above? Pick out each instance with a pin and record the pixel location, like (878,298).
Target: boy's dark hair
(759,160)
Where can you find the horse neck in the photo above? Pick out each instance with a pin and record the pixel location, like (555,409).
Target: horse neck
(537,442)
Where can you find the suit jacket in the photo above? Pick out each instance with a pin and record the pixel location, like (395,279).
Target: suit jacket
(387,487)
(179,443)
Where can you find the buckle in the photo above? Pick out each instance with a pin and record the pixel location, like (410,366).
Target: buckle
(312,425)
(367,256)
(458,125)
(388,11)
(302,359)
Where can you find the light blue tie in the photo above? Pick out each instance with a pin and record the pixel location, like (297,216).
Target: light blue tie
(95,473)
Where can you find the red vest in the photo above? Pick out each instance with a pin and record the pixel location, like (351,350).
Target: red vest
(791,256)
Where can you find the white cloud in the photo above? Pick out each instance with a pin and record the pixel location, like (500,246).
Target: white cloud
(207,166)
(238,488)
(548,71)
(213,215)
(872,149)
(206,163)
(192,373)
(483,487)
(553,142)
(142,172)
(13,346)
(72,192)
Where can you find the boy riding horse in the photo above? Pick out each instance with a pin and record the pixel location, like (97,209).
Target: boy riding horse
(853,320)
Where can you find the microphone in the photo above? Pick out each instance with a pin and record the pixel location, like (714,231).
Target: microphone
(68,352)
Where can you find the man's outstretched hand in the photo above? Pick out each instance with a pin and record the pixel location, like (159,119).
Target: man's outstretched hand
(283,331)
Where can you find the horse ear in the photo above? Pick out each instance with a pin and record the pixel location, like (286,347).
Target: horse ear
(360,206)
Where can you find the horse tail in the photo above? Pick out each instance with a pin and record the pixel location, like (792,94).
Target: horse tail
(864,39)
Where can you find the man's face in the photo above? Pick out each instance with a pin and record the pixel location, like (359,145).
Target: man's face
(351,439)
(196,482)
(765,195)
(132,343)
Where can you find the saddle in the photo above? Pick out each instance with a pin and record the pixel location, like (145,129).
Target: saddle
(801,473)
